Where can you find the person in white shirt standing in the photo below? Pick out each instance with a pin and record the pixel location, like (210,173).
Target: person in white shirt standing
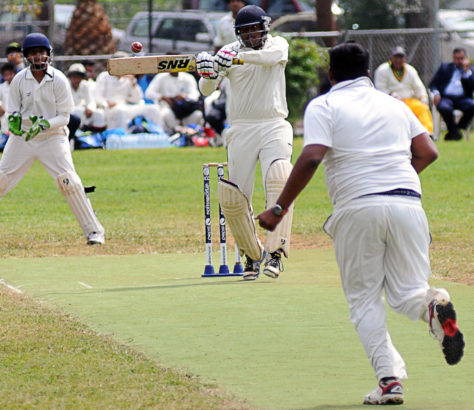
(401,80)
(177,96)
(92,118)
(258,132)
(8,71)
(372,147)
(225,32)
(38,109)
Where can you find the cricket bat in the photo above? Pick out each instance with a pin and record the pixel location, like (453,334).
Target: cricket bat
(154,64)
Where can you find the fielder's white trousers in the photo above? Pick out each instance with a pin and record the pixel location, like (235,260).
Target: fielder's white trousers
(53,152)
(249,142)
(381,245)
(120,115)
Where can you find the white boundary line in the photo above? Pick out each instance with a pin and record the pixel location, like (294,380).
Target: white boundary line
(85,285)
(13,288)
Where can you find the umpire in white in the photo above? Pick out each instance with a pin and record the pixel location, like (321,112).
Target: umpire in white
(38,109)
(373,147)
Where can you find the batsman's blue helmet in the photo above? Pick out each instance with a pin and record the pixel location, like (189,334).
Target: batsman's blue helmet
(249,16)
(36,40)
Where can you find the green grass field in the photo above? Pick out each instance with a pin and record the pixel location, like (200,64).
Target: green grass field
(102,327)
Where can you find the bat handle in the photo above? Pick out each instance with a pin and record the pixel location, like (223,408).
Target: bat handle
(237,61)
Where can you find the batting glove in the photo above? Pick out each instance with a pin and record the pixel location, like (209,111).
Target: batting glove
(38,124)
(206,66)
(224,58)
(14,123)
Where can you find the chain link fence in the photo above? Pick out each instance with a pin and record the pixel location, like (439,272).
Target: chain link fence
(425,47)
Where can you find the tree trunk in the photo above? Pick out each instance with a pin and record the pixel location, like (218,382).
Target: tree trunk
(325,20)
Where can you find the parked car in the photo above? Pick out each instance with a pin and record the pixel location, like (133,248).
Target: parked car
(173,32)
(274,8)
(297,22)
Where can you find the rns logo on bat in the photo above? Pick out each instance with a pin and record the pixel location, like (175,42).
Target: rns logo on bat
(176,64)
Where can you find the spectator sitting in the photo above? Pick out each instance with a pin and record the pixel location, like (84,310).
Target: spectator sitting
(225,32)
(178,97)
(452,86)
(122,99)
(91,75)
(92,118)
(401,80)
(15,56)
(8,72)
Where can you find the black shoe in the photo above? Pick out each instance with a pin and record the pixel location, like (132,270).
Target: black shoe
(251,269)
(273,265)
(444,327)
(454,135)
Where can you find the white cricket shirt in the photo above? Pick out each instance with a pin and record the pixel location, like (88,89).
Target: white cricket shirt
(51,98)
(409,86)
(257,88)
(166,85)
(225,32)
(369,137)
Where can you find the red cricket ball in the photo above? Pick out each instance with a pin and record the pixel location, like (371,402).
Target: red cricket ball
(137,47)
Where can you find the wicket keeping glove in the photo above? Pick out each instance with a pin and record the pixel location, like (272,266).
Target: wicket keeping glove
(224,58)
(14,123)
(206,66)
(38,124)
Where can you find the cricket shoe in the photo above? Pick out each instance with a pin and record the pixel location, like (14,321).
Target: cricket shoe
(444,327)
(251,269)
(387,392)
(95,238)
(273,265)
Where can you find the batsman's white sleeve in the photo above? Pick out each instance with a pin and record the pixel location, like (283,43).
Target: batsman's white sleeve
(276,52)
(207,86)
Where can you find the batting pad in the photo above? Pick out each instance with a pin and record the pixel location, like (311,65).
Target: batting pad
(275,180)
(71,187)
(238,214)
(3,184)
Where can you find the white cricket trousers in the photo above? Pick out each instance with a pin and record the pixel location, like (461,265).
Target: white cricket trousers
(54,153)
(382,245)
(251,141)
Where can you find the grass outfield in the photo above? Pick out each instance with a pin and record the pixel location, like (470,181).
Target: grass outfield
(278,344)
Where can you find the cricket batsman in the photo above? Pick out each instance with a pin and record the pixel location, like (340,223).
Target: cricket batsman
(258,132)
(38,109)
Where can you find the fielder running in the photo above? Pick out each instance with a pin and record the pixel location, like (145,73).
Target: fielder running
(38,109)
(373,148)
(258,131)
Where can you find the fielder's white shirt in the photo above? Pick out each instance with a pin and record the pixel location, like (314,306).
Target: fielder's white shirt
(120,90)
(82,96)
(166,85)
(225,31)
(369,137)
(258,88)
(410,85)
(51,98)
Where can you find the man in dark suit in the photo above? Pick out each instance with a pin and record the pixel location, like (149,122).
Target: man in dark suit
(452,86)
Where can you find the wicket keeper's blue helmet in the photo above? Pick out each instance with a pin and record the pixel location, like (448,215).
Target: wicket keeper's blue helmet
(36,40)
(249,16)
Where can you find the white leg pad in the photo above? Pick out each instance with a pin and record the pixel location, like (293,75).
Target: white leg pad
(275,180)
(71,187)
(3,184)
(238,214)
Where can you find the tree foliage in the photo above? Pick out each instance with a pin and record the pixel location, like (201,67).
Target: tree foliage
(305,58)
(371,14)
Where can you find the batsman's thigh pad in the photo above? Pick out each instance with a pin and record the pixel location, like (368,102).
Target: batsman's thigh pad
(275,180)
(238,215)
(71,187)
(3,184)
